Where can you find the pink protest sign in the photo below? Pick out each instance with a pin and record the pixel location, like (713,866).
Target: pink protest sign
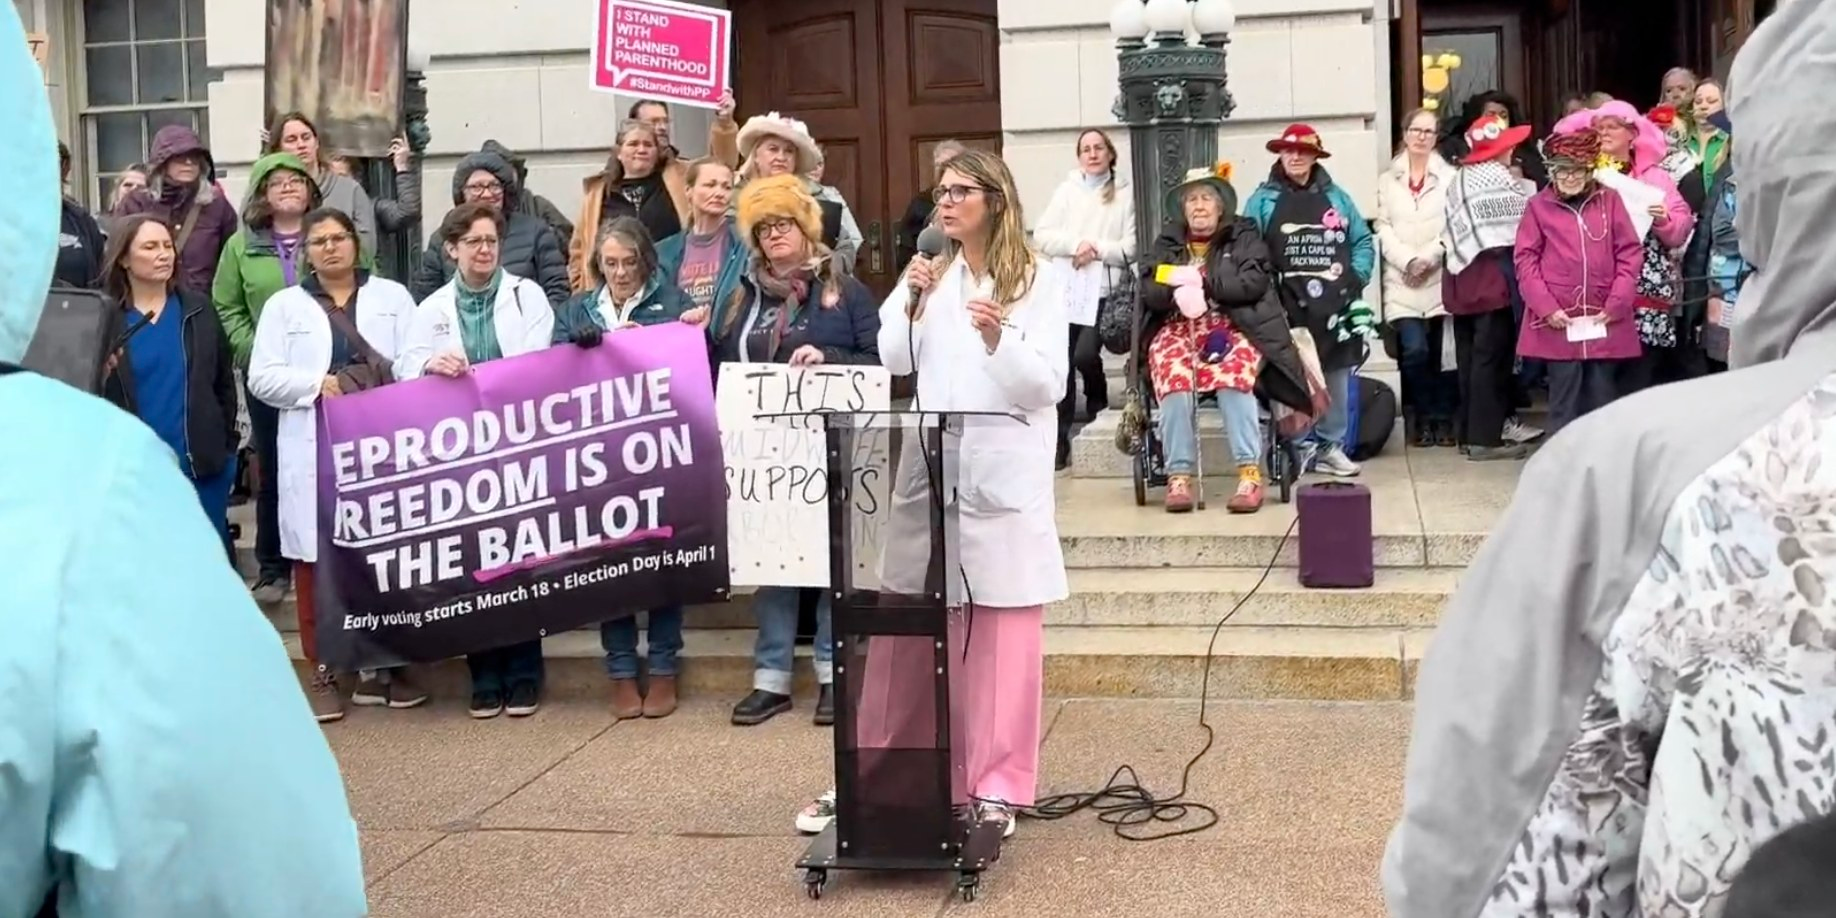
(662,49)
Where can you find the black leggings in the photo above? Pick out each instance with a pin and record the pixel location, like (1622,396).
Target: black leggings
(1086,360)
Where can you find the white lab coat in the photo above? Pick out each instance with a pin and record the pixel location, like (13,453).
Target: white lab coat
(1009,554)
(288,364)
(524,320)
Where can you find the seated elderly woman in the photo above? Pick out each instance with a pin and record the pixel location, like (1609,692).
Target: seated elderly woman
(1213,322)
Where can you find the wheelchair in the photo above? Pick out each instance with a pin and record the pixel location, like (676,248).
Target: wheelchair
(1282,460)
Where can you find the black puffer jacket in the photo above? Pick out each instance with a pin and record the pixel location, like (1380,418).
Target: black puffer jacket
(531,248)
(1239,283)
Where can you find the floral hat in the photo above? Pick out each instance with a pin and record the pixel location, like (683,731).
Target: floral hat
(1216,177)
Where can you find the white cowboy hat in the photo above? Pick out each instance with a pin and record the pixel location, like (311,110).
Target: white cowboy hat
(772,124)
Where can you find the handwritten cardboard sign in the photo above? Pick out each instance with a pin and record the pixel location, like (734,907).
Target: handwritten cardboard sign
(777,470)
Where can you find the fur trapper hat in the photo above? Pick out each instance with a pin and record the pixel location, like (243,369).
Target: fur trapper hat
(778,198)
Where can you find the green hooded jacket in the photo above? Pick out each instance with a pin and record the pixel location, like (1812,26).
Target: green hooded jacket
(250,270)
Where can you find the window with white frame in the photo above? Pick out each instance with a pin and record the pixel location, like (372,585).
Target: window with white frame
(144,68)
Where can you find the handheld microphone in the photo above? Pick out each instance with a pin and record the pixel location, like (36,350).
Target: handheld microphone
(931,244)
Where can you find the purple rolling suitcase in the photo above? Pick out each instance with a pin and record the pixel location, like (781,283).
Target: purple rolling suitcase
(1336,549)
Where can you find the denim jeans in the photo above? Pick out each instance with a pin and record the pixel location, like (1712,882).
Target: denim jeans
(1425,387)
(1179,441)
(1334,427)
(618,637)
(776,610)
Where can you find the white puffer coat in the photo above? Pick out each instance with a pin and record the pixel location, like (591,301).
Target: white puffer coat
(1411,226)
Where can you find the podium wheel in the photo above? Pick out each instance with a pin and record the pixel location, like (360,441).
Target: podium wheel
(814,881)
(968,885)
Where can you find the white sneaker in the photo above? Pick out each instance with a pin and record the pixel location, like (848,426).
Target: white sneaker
(813,819)
(1516,431)
(989,811)
(1333,461)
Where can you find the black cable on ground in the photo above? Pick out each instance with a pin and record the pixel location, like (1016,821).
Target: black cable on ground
(1131,808)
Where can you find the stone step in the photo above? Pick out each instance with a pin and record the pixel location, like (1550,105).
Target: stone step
(1183,597)
(1176,597)
(1101,527)
(1328,664)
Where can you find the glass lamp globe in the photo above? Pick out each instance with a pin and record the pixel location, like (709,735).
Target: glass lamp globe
(1214,17)
(1168,17)
(1128,20)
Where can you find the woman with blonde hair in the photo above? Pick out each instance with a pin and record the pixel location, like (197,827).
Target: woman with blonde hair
(791,305)
(708,257)
(772,144)
(987,334)
(1090,219)
(1677,89)
(632,184)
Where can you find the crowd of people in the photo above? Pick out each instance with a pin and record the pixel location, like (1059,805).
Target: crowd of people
(746,244)
(1594,262)
(1597,261)
(1638,724)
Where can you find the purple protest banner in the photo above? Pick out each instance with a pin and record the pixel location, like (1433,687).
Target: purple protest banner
(534,495)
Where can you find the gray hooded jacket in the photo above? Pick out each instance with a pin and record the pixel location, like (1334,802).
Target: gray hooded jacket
(530,247)
(1636,683)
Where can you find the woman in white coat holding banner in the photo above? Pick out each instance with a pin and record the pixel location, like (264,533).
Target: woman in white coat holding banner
(988,334)
(482,314)
(304,352)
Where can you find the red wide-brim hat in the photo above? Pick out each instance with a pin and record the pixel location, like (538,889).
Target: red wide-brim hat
(1299,137)
(1486,147)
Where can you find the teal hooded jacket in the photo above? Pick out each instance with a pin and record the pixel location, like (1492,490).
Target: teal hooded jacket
(157,757)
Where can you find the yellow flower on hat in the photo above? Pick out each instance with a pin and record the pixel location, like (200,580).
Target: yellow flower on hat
(1224,170)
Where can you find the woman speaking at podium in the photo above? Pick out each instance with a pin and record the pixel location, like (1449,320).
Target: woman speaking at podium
(983,325)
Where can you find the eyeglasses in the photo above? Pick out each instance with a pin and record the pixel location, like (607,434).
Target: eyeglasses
(1568,172)
(478,242)
(329,241)
(287,183)
(1421,132)
(487,189)
(777,227)
(956,194)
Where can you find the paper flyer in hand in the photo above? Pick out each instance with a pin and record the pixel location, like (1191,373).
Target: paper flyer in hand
(1638,197)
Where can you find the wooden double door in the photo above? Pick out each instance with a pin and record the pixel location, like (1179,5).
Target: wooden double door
(880,83)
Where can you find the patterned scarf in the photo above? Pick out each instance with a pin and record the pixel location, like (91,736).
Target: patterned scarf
(477,307)
(1484,205)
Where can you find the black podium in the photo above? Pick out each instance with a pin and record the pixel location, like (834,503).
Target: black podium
(901,803)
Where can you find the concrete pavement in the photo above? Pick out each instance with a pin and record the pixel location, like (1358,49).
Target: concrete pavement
(570,814)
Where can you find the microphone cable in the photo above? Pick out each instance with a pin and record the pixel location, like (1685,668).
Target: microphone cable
(1127,806)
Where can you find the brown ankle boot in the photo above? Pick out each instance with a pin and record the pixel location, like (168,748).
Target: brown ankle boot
(660,701)
(627,703)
